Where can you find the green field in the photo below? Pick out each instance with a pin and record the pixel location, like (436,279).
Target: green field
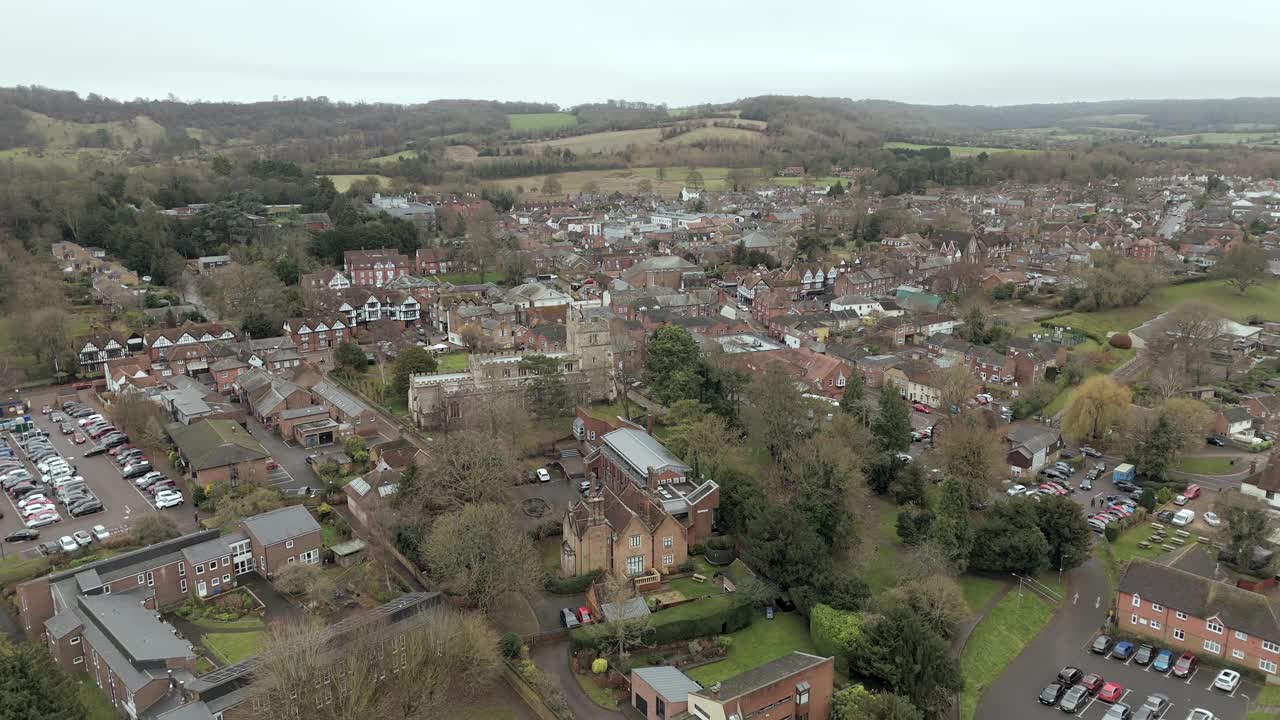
(604,142)
(451,362)
(233,647)
(542,121)
(394,157)
(343,183)
(956,150)
(979,590)
(884,555)
(96,704)
(64,133)
(1215,293)
(1211,465)
(602,696)
(722,134)
(760,642)
(66,158)
(997,641)
(1227,138)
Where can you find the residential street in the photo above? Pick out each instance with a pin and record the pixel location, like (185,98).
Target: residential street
(553,659)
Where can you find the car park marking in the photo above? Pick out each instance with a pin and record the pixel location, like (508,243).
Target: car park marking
(1087,705)
(1193,674)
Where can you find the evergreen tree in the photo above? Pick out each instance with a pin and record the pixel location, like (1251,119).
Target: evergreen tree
(892,426)
(34,687)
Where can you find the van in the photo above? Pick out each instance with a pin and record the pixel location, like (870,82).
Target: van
(1183,517)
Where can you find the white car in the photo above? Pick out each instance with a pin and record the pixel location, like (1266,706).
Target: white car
(100,533)
(543,475)
(168,499)
(68,544)
(45,518)
(1016,490)
(1211,519)
(37,508)
(903,457)
(32,499)
(1227,681)
(1200,714)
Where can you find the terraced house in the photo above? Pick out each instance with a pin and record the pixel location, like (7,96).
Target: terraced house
(1217,621)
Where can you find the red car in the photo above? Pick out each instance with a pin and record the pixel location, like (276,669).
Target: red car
(921,407)
(584,615)
(78,438)
(1192,492)
(119,449)
(1186,665)
(1111,692)
(1092,682)
(272,464)
(82,385)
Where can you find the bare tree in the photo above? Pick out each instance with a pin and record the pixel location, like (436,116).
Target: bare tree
(955,385)
(467,467)
(1192,328)
(625,632)
(480,553)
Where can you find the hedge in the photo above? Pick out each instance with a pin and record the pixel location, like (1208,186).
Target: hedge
(570,585)
(835,632)
(716,615)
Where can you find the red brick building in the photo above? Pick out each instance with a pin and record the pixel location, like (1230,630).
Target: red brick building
(793,687)
(1221,623)
(374,268)
(432,261)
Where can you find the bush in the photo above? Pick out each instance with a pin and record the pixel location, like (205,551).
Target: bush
(511,645)
(1121,341)
(697,549)
(571,585)
(547,528)
(685,567)
(721,542)
(835,632)
(1112,533)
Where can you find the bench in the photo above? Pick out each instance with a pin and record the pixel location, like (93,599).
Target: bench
(699,578)
(1182,533)
(1202,540)
(1167,546)
(1157,526)
(1178,541)
(1144,545)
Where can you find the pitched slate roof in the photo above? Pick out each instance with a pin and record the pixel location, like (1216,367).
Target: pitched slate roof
(1238,609)
(216,443)
(668,682)
(763,676)
(280,525)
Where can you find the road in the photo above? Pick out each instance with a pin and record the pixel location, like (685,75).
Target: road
(1172,222)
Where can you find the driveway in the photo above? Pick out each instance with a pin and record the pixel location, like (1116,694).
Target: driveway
(553,660)
(294,476)
(559,494)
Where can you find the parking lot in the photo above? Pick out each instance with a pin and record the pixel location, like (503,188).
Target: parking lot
(121,500)
(1140,681)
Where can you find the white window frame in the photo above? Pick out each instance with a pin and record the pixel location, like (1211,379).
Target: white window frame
(77,660)
(1267,666)
(668,559)
(1241,636)
(1155,624)
(668,541)
(200,569)
(635,541)
(1180,615)
(1133,619)
(1237,653)
(74,641)
(1213,647)
(1157,607)
(1178,634)
(288,544)
(1137,601)
(1270,647)
(1213,627)
(142,578)
(182,568)
(182,586)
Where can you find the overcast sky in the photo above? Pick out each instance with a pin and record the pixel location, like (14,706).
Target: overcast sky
(925,51)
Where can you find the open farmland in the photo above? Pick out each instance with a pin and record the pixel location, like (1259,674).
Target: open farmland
(721,134)
(956,150)
(66,158)
(64,133)
(603,142)
(1226,138)
(542,121)
(343,182)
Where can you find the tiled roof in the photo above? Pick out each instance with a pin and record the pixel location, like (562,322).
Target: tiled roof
(1238,609)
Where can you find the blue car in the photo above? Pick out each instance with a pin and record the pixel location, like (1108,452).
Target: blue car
(1122,650)
(1163,661)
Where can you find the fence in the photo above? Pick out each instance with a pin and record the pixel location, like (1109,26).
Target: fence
(1038,588)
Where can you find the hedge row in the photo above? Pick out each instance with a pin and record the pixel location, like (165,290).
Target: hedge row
(570,585)
(835,632)
(718,615)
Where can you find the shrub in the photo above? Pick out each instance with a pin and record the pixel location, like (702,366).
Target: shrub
(570,585)
(547,528)
(685,567)
(1121,341)
(1112,533)
(511,645)
(717,615)
(835,632)
(721,542)
(697,549)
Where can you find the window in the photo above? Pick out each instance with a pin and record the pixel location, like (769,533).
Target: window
(1270,646)
(635,564)
(802,694)
(1137,601)
(1155,625)
(667,541)
(141,578)
(1212,646)
(288,544)
(151,579)
(200,569)
(1133,619)
(182,585)
(1178,634)
(226,578)
(635,541)
(226,561)
(1267,666)
(75,640)
(215,582)
(1241,636)
(1180,615)
(77,660)
(1213,626)
(1157,607)
(291,559)
(182,568)
(1237,654)
(668,559)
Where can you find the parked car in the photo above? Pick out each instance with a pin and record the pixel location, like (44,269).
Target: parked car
(1215,441)
(22,535)
(1015,490)
(132,471)
(100,533)
(1144,655)
(82,538)
(66,543)
(67,428)
(543,475)
(87,507)
(1183,517)
(1111,692)
(82,385)
(1211,519)
(568,619)
(1192,492)
(1074,699)
(1186,665)
(1200,714)
(168,499)
(1093,682)
(95,450)
(1101,644)
(1227,681)
(1090,452)
(1126,486)
(1181,500)
(1069,676)
(584,615)
(1051,694)
(1157,704)
(1118,711)
(78,438)
(43,519)
(921,407)
(1163,661)
(1165,516)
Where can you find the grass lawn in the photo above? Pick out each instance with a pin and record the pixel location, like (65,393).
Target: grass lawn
(1270,696)
(451,362)
(601,696)
(513,614)
(234,647)
(549,550)
(609,412)
(97,705)
(484,707)
(691,588)
(979,590)
(1125,548)
(882,555)
(542,121)
(469,278)
(997,640)
(1210,465)
(343,183)
(330,535)
(760,642)
(1215,293)
(215,626)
